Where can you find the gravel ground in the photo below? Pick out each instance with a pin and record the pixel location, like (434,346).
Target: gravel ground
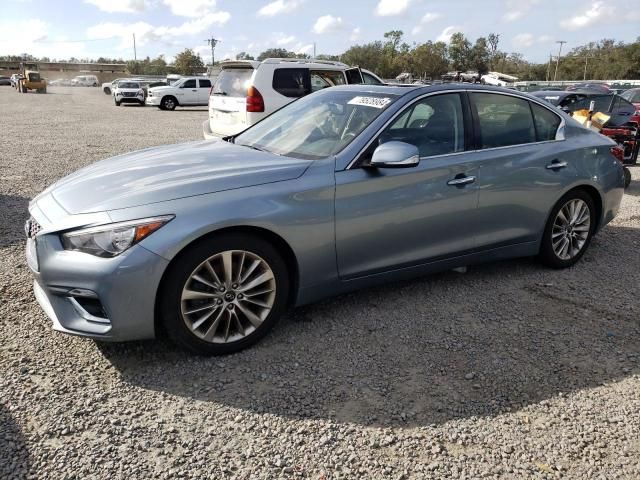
(508,371)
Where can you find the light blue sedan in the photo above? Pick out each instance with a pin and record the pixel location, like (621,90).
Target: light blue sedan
(343,189)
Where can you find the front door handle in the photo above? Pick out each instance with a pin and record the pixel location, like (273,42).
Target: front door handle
(461,180)
(557,165)
(194,90)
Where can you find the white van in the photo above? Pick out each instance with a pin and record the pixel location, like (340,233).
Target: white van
(246,91)
(85,81)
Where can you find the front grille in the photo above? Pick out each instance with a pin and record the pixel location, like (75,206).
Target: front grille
(31,228)
(128,94)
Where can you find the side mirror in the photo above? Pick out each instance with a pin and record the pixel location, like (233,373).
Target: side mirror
(395,155)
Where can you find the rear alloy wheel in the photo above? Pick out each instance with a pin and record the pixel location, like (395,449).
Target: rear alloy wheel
(168,103)
(569,230)
(224,295)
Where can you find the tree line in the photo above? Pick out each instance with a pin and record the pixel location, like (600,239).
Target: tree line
(601,60)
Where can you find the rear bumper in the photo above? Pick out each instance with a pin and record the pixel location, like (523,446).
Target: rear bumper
(209,134)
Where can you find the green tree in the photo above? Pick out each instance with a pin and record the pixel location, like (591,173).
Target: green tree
(244,56)
(459,51)
(276,53)
(493,40)
(188,63)
(479,57)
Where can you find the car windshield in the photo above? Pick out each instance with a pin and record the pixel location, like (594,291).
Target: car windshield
(632,95)
(318,125)
(128,85)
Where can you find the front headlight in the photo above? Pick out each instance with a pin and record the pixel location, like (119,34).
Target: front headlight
(110,240)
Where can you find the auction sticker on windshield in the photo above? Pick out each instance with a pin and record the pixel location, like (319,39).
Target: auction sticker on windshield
(375,102)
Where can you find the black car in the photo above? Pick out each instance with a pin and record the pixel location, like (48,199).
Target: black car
(5,81)
(619,109)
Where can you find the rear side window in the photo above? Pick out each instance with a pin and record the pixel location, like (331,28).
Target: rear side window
(504,120)
(370,79)
(205,83)
(547,123)
(292,82)
(233,82)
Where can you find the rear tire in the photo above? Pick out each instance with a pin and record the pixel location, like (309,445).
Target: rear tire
(227,327)
(569,230)
(627,177)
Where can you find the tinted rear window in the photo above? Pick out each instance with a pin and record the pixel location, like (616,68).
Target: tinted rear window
(233,82)
(504,120)
(547,123)
(292,82)
(205,83)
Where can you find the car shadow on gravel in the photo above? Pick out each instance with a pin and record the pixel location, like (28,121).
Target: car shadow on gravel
(13,213)
(495,339)
(15,460)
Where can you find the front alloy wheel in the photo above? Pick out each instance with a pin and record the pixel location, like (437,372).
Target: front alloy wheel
(223,293)
(569,230)
(228,296)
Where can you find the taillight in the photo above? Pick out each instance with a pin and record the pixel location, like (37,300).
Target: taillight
(618,152)
(255,102)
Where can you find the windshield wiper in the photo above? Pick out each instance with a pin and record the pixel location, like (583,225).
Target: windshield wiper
(220,93)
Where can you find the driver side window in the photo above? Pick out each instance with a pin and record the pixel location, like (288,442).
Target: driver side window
(435,125)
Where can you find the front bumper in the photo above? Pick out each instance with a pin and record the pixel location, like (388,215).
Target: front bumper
(124,288)
(154,101)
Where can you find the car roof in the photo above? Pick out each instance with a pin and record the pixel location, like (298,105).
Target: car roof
(406,89)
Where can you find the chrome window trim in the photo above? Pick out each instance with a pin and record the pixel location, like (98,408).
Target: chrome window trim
(559,132)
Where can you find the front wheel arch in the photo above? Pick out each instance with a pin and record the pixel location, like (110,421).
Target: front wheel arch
(279,243)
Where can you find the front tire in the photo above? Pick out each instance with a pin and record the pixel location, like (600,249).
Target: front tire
(569,230)
(117,103)
(223,294)
(168,103)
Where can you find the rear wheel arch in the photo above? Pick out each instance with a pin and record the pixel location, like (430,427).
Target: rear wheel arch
(597,200)
(279,243)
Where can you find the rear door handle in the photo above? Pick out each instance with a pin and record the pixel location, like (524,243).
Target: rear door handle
(557,165)
(461,180)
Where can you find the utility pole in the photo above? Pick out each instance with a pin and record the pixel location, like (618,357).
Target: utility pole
(135,54)
(549,68)
(212,42)
(586,61)
(561,42)
(314,50)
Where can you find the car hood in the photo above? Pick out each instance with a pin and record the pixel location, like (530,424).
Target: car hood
(162,88)
(167,173)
